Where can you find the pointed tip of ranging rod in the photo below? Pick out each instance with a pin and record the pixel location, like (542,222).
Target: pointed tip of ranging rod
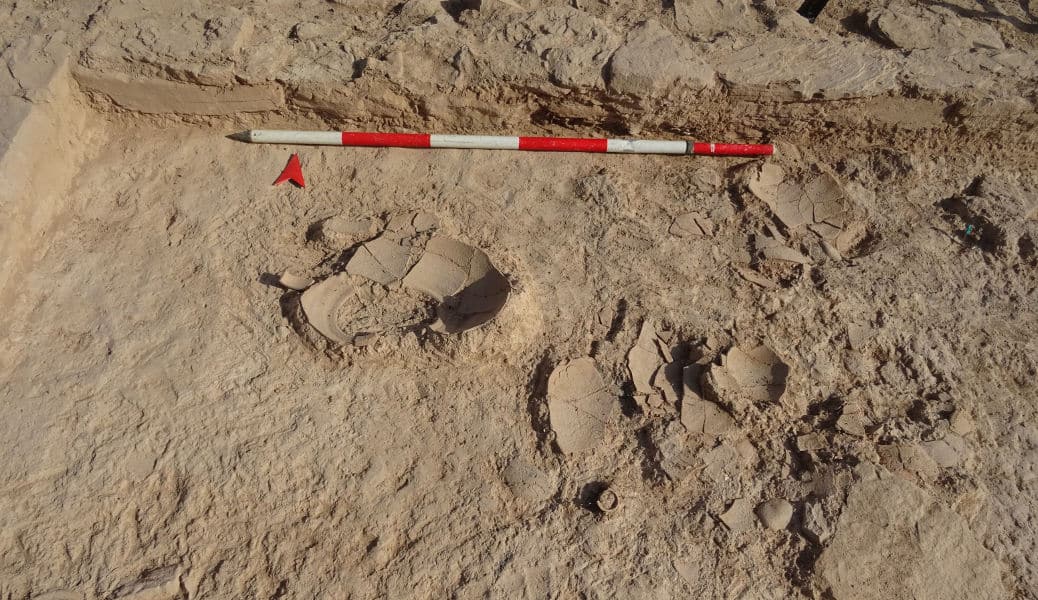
(241,136)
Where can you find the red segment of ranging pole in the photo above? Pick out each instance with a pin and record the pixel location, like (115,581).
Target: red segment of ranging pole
(499,142)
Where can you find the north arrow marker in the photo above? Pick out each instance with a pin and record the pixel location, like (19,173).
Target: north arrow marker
(293,172)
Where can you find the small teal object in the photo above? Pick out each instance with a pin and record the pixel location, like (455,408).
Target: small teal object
(969,229)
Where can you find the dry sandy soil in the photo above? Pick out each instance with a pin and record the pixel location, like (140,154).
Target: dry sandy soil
(807,376)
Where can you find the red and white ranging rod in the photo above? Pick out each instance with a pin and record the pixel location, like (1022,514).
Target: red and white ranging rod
(499,142)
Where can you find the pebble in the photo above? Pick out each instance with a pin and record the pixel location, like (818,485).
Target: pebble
(305,31)
(747,451)
(962,423)
(775,514)
(866,471)
(810,442)
(720,463)
(948,452)
(852,421)
(417,11)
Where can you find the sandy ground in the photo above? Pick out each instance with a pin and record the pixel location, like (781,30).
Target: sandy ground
(807,376)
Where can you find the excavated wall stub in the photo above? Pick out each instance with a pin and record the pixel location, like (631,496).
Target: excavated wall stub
(45,129)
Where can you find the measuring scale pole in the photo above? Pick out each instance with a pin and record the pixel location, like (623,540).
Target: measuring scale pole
(500,142)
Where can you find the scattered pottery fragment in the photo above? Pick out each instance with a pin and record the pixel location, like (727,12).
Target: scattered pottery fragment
(786,254)
(852,235)
(820,204)
(831,251)
(656,377)
(692,224)
(705,417)
(443,268)
(321,304)
(643,360)
(424,221)
(347,309)
(402,262)
(757,374)
(383,260)
(948,452)
(755,277)
(764,181)
(604,320)
(342,232)
(661,380)
(775,514)
(295,282)
(852,419)
(811,442)
(607,501)
(758,371)
(691,377)
(909,457)
(815,525)
(776,236)
(579,405)
(773,249)
(470,290)
(739,516)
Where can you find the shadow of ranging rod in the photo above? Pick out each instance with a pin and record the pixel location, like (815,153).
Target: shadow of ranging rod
(499,142)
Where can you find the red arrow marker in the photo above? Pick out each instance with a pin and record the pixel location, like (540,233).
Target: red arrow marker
(293,172)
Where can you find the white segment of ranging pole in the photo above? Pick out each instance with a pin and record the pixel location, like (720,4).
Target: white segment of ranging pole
(646,146)
(284,136)
(479,142)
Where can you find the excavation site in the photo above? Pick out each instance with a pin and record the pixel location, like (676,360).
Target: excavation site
(532,363)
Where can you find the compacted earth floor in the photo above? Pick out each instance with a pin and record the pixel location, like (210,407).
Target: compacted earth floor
(542,375)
